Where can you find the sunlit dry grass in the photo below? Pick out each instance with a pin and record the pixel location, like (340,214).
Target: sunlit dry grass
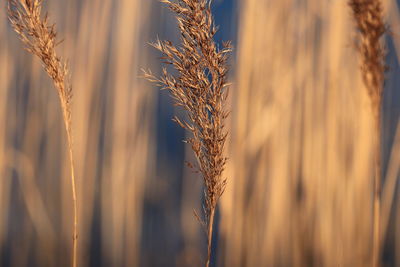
(368,16)
(111,114)
(301,146)
(201,89)
(40,39)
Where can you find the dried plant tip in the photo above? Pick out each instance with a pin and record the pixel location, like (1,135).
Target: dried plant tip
(368,15)
(200,88)
(39,38)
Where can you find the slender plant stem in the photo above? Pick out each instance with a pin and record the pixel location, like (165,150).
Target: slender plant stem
(68,129)
(75,206)
(377,191)
(209,236)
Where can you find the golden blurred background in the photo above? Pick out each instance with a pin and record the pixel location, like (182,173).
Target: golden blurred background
(300,171)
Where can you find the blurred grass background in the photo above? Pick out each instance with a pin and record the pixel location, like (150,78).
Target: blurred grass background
(301,166)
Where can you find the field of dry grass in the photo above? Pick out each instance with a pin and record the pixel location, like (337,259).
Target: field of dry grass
(312,115)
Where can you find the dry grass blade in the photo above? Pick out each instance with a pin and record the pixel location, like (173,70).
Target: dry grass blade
(200,88)
(39,38)
(368,15)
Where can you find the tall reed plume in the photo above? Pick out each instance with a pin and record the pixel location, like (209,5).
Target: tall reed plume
(39,38)
(368,15)
(200,88)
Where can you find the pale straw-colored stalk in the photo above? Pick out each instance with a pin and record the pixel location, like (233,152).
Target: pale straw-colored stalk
(368,15)
(39,38)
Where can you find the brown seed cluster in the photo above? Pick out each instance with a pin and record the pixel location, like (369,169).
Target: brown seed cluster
(369,18)
(39,38)
(199,87)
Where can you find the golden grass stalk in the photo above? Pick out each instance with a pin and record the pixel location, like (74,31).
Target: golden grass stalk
(39,38)
(200,88)
(368,15)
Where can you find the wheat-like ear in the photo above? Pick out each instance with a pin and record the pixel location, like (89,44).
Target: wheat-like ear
(200,88)
(368,15)
(39,38)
